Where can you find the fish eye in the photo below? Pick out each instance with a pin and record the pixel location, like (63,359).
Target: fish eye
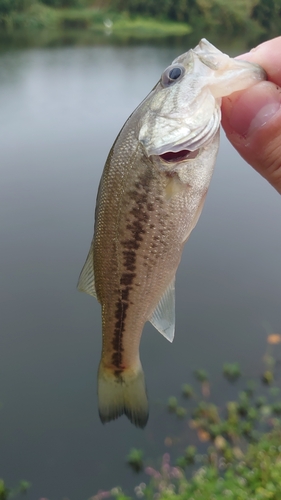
(175,73)
(172,74)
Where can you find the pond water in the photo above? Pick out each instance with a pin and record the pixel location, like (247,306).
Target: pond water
(61,109)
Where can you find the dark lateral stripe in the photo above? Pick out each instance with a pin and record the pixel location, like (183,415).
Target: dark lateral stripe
(120,315)
(139,217)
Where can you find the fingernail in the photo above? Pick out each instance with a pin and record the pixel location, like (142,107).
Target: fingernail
(263,116)
(254,108)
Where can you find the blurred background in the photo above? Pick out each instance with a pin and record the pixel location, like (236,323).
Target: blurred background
(71,72)
(82,22)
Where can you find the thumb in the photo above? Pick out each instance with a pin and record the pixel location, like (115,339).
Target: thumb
(252,122)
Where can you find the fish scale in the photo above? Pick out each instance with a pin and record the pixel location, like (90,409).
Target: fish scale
(150,197)
(139,208)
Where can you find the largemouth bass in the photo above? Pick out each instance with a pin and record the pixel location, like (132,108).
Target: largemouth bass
(150,197)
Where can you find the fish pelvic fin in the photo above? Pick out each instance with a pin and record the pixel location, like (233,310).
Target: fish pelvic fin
(122,392)
(86,282)
(163,317)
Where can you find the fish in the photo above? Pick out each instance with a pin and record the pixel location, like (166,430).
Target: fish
(150,197)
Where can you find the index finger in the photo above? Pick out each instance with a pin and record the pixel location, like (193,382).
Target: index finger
(267,55)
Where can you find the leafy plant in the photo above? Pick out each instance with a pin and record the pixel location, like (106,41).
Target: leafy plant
(135,459)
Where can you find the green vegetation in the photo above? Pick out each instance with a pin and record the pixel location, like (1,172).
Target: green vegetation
(135,459)
(187,391)
(234,17)
(252,19)
(255,477)
(201,375)
(67,15)
(231,371)
(236,447)
(232,450)
(8,493)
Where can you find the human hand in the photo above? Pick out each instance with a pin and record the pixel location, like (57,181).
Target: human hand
(252,118)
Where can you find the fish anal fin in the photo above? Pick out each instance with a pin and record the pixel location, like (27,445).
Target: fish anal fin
(86,282)
(163,316)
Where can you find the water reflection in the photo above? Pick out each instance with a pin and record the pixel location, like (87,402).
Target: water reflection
(60,112)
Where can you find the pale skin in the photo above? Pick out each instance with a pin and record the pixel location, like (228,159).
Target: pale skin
(252,118)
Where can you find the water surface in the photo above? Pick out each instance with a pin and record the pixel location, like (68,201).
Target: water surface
(60,112)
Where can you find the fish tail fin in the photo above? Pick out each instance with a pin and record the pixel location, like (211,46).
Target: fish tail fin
(122,392)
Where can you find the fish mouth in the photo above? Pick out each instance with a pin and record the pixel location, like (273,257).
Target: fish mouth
(178,156)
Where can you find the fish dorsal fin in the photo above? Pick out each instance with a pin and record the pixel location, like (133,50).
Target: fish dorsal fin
(86,282)
(163,317)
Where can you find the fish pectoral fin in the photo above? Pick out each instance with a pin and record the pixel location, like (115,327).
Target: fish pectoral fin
(173,187)
(163,316)
(86,282)
(196,218)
